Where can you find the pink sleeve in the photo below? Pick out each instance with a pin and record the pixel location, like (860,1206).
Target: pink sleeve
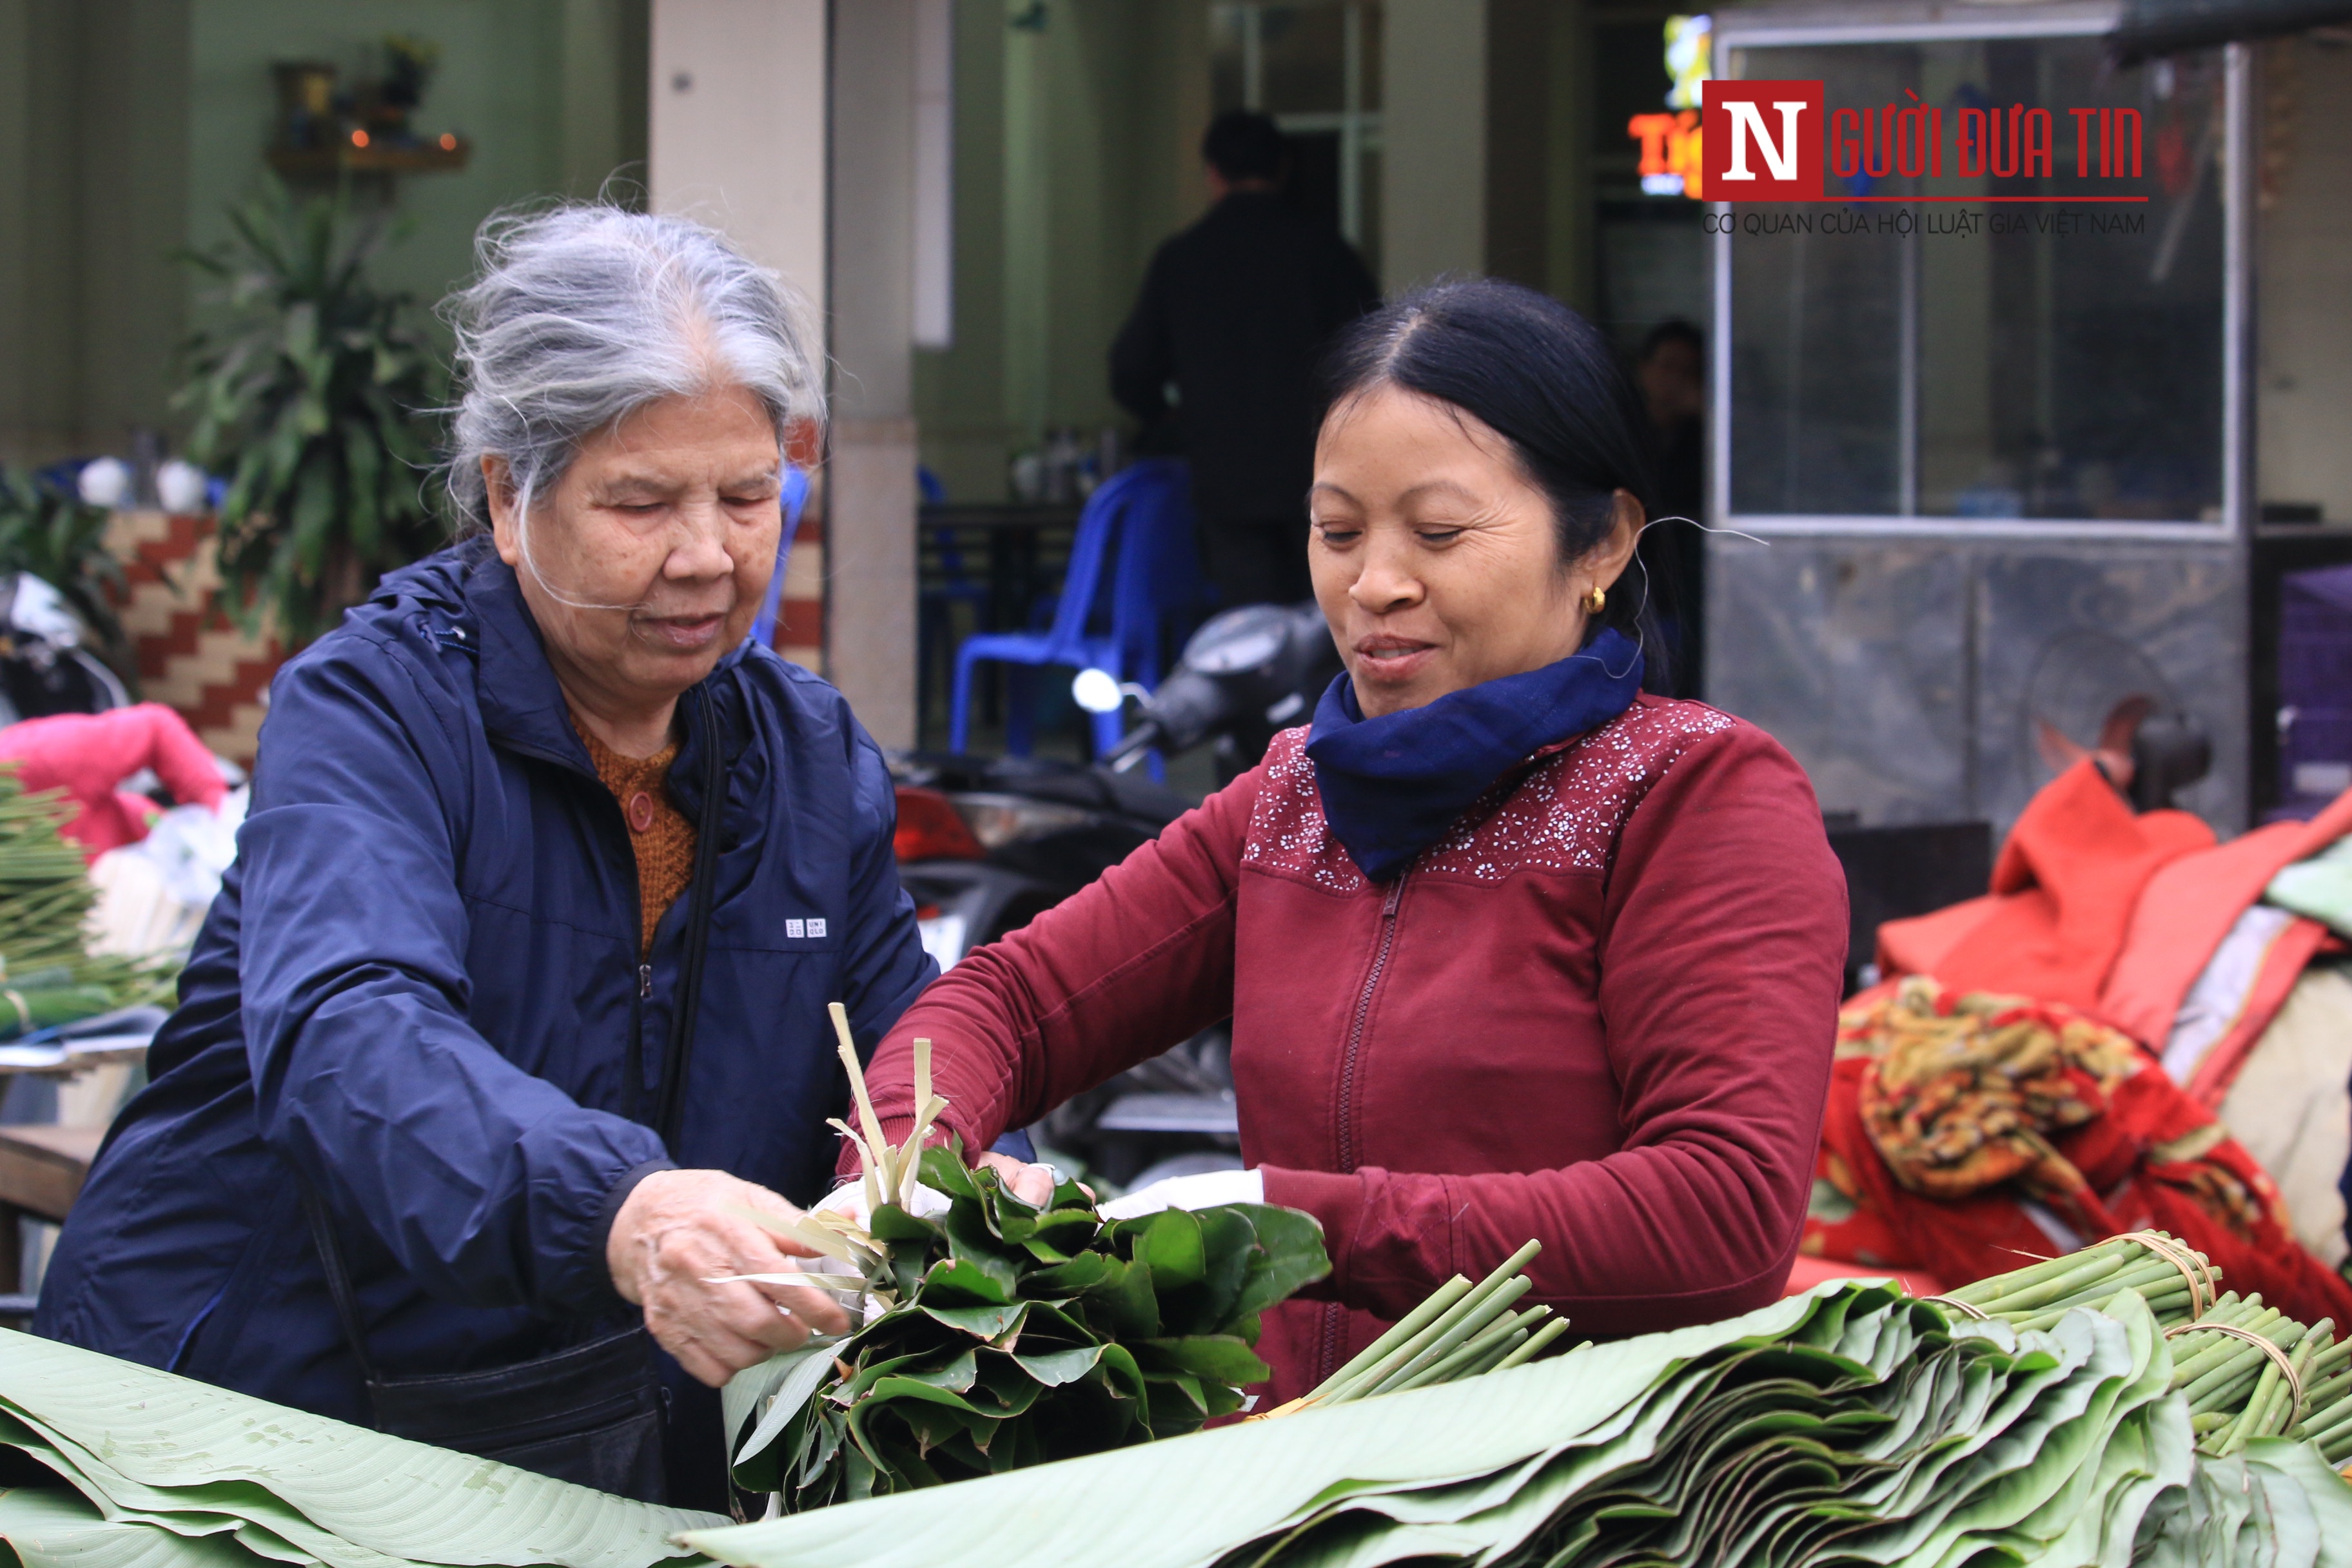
(183,762)
(1130,965)
(1721,961)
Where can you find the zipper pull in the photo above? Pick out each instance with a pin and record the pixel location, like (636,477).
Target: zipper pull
(1389,904)
(645,981)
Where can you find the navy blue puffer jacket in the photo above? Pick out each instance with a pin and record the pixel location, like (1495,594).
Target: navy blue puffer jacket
(420,990)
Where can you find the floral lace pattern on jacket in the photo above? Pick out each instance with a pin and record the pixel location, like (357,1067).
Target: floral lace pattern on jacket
(1563,815)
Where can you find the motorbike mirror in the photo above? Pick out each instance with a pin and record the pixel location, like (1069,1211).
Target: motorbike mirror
(1098,691)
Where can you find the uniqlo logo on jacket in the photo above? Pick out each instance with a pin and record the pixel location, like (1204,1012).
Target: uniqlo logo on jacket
(1762,140)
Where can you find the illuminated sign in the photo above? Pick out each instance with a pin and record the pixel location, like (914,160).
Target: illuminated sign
(1672,144)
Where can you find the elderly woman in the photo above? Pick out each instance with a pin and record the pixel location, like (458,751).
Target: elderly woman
(515,999)
(1511,950)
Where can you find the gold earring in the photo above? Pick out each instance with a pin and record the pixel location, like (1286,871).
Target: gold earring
(1596,599)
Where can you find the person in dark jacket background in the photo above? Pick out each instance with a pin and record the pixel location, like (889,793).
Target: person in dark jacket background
(438,986)
(1233,314)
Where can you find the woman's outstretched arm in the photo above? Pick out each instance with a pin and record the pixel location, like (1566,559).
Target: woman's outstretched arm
(1131,965)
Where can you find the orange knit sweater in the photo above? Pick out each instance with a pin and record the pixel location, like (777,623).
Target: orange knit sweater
(659,832)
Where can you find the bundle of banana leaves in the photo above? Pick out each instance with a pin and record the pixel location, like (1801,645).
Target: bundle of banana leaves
(2246,1370)
(106,1464)
(47,974)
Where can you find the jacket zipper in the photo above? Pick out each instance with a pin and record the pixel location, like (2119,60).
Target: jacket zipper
(1356,1028)
(1335,1316)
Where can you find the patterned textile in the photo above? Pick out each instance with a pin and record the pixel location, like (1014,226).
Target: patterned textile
(1950,1112)
(1565,813)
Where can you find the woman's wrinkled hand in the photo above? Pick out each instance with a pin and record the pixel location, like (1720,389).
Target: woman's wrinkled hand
(681,1231)
(1032,1184)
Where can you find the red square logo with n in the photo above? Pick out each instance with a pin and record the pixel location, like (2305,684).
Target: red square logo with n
(1762,140)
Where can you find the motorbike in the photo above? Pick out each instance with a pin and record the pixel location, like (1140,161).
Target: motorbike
(46,663)
(1244,674)
(985,844)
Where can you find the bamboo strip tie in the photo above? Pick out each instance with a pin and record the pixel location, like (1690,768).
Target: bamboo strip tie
(2191,1265)
(1979,1315)
(2278,1357)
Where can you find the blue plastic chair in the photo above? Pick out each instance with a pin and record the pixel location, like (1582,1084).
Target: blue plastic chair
(935,601)
(794,500)
(1137,527)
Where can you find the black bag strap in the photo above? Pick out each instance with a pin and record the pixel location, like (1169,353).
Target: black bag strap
(688,1001)
(338,1279)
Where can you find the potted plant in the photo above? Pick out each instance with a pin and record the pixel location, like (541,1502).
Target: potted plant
(312,391)
(59,538)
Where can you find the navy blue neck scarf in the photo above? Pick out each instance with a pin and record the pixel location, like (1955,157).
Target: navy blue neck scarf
(1392,785)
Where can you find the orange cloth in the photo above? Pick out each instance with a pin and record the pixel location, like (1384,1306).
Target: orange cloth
(659,832)
(2072,873)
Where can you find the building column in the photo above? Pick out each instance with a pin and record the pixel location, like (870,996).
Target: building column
(736,135)
(870,619)
(1433,140)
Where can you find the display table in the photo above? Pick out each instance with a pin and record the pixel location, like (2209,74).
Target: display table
(42,1169)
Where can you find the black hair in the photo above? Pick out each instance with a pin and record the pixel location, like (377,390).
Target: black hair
(1674,329)
(1242,144)
(1544,379)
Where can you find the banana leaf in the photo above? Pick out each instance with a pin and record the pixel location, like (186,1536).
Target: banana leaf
(148,1448)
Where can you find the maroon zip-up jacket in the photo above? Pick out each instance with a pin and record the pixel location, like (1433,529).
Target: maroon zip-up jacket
(1598,1013)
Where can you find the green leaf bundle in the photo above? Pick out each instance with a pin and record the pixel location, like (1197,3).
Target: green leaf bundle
(1015,1335)
(2248,1371)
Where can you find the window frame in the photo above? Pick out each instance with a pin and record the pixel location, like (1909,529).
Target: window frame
(1736,33)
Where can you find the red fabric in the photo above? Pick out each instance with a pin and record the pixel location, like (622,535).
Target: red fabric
(2151,1158)
(2068,880)
(1599,1015)
(2189,906)
(1920,944)
(89,754)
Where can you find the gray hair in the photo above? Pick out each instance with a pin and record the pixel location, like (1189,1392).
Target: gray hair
(582,314)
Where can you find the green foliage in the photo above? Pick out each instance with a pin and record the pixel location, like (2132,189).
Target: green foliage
(311,394)
(1021,1335)
(62,542)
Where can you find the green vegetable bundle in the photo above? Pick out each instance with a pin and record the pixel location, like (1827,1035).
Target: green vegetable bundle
(47,974)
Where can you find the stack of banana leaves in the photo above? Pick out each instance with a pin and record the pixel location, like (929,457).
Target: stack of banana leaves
(2052,1416)
(104,1464)
(47,975)
(2112,1407)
